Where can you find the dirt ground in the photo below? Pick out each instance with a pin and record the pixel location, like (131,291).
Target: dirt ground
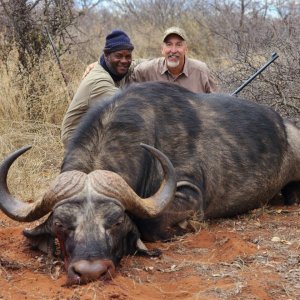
(254,256)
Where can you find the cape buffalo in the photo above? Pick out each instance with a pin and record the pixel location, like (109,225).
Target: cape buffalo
(207,154)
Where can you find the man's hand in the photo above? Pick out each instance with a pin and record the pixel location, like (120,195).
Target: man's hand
(88,69)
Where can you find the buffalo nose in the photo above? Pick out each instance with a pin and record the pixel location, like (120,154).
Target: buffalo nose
(84,271)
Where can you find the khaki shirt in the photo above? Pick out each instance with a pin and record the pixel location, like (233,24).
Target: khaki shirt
(195,76)
(96,86)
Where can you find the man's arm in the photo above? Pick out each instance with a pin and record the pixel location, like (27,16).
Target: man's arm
(211,85)
(137,71)
(89,69)
(134,63)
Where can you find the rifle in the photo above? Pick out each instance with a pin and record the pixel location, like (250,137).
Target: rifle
(274,56)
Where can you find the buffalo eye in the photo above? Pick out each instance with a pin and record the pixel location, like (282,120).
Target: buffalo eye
(114,223)
(58,227)
(118,223)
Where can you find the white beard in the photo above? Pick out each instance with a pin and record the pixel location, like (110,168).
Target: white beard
(172,64)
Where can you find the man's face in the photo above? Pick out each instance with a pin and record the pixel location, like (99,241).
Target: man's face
(174,50)
(120,61)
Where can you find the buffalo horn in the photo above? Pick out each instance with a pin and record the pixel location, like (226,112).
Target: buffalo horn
(65,185)
(112,185)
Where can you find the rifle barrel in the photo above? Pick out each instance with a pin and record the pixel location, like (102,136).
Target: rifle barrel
(274,56)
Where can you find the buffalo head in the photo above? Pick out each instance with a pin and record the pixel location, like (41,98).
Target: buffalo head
(89,215)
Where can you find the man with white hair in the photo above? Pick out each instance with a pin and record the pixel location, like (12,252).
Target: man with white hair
(175,66)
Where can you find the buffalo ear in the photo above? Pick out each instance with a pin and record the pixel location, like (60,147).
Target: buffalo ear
(41,238)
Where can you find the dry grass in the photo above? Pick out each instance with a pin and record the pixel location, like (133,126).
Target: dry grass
(30,174)
(31,111)
(40,94)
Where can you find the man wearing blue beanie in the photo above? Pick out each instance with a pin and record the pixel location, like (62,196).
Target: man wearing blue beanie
(103,80)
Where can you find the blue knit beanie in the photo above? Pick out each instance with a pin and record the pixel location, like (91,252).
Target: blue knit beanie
(117,40)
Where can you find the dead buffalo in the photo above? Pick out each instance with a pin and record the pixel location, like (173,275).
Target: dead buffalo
(207,154)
